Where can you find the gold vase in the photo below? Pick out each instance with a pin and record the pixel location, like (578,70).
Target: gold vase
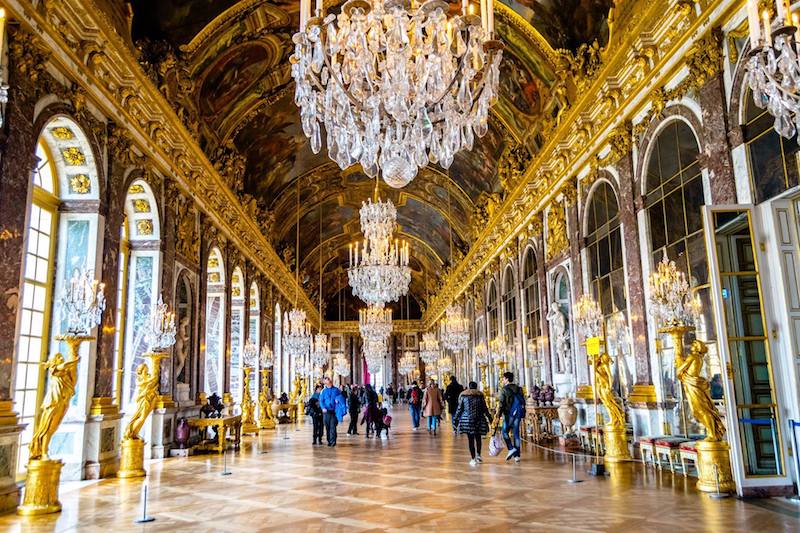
(41,488)
(131,463)
(616,444)
(248,406)
(266,421)
(713,460)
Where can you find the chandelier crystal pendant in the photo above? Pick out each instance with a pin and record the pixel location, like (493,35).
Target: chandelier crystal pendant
(481,354)
(773,66)
(397,84)
(445,364)
(670,296)
(379,271)
(454,329)
(374,353)
(407,364)
(341,366)
(296,333)
(429,348)
(321,350)
(374,323)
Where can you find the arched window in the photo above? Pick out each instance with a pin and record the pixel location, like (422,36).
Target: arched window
(604,251)
(773,158)
(533,312)
(142,279)
(56,243)
(509,307)
(277,349)
(237,332)
(215,323)
(254,332)
(492,310)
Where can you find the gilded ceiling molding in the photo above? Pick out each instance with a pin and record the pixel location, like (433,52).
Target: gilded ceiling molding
(345,327)
(118,86)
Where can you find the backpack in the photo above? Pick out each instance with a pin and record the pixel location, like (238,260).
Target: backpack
(415,396)
(517,409)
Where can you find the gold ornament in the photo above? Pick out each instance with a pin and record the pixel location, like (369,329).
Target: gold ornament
(248,405)
(80,184)
(141,205)
(62,134)
(614,432)
(144,227)
(266,421)
(136,189)
(147,384)
(557,241)
(73,156)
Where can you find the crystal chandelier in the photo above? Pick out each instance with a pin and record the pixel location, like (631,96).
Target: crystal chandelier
(773,68)
(498,349)
(588,317)
(300,367)
(454,329)
(83,302)
(296,333)
(266,357)
(374,354)
(481,354)
(160,330)
(445,364)
(671,303)
(341,366)
(379,271)
(250,354)
(375,323)
(429,348)
(407,364)
(320,350)
(397,84)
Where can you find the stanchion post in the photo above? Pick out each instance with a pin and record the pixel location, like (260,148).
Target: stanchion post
(574,472)
(718,495)
(144,519)
(225,471)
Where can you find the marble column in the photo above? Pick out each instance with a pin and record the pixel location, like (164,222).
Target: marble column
(202,292)
(716,156)
(226,325)
(169,223)
(580,362)
(544,327)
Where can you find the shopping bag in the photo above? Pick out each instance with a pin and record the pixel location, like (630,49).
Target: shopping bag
(495,445)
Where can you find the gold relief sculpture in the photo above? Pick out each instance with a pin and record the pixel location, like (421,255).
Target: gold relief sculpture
(214,277)
(557,242)
(141,205)
(144,226)
(62,134)
(188,243)
(80,184)
(73,156)
(136,188)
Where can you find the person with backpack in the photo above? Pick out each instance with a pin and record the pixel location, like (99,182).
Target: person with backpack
(415,404)
(354,408)
(432,405)
(472,417)
(451,395)
(511,407)
(315,412)
(333,409)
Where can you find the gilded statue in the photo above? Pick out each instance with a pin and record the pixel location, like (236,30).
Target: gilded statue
(181,347)
(60,388)
(146,396)
(604,383)
(557,241)
(698,391)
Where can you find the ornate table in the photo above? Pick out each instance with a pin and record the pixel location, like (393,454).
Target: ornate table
(540,419)
(226,425)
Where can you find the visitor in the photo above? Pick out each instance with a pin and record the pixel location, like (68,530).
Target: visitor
(384,421)
(414,398)
(511,407)
(371,411)
(315,412)
(401,394)
(354,408)
(317,391)
(472,417)
(333,408)
(451,394)
(284,399)
(390,395)
(432,405)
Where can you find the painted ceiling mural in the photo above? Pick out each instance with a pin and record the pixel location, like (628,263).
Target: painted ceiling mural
(224,65)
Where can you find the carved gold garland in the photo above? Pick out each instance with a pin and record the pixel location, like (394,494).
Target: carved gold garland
(86,48)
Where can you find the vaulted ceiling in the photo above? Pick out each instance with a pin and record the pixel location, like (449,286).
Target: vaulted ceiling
(225,65)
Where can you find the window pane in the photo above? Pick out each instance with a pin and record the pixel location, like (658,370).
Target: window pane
(658,234)
(693,194)
(668,151)
(673,206)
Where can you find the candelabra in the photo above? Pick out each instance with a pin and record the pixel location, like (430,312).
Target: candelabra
(454,329)
(82,303)
(249,358)
(429,348)
(445,366)
(266,360)
(374,354)
(498,349)
(296,333)
(160,334)
(359,75)
(676,312)
(375,323)
(773,66)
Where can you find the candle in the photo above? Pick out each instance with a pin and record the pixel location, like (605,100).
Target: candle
(767,30)
(2,26)
(490,17)
(483,15)
(305,8)
(752,18)
(796,24)
(350,249)
(319,8)
(464,6)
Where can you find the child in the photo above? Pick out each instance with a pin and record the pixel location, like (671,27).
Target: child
(315,412)
(384,422)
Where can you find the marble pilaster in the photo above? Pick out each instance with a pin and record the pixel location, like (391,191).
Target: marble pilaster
(716,157)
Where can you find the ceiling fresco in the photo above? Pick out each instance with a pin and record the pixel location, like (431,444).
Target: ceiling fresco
(224,65)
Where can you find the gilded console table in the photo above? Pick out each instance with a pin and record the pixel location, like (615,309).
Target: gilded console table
(222,426)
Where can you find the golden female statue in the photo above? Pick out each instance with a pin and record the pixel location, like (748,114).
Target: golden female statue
(60,388)
(604,381)
(146,396)
(697,390)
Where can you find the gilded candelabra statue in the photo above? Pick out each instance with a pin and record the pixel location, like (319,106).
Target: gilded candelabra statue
(250,357)
(160,336)
(678,312)
(267,359)
(82,304)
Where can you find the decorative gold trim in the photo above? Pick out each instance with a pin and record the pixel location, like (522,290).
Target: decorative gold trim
(80,184)
(103,405)
(643,394)
(7,415)
(62,133)
(73,156)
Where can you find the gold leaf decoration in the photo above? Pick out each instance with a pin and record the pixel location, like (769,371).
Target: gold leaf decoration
(557,241)
(144,226)
(73,156)
(141,206)
(136,189)
(62,134)
(80,184)
(214,277)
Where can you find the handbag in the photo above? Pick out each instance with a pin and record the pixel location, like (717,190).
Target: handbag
(495,445)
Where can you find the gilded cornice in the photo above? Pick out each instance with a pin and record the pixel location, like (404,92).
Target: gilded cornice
(641,59)
(86,49)
(344,327)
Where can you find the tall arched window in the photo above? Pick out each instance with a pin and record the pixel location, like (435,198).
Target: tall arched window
(141,216)
(237,332)
(773,159)
(277,349)
(215,323)
(509,307)
(254,331)
(492,310)
(604,255)
(56,243)
(533,311)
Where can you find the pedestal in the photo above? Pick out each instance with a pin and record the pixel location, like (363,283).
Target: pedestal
(713,459)
(131,462)
(616,444)
(41,488)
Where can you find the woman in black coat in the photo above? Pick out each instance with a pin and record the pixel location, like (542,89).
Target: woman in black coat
(473,418)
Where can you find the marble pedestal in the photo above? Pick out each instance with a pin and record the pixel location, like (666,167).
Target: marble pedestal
(9,451)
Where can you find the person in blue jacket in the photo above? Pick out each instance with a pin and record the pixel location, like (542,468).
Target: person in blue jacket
(333,409)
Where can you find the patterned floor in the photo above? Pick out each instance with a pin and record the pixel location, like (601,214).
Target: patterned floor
(410,482)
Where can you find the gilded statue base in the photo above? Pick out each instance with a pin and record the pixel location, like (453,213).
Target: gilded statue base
(41,488)
(616,444)
(131,463)
(709,455)
(267,423)
(249,429)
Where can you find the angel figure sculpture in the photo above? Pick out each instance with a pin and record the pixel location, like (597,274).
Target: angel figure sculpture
(146,396)
(698,391)
(60,388)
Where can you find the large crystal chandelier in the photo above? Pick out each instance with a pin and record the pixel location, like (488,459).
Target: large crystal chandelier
(375,323)
(671,303)
(296,333)
(445,364)
(374,354)
(407,364)
(320,350)
(588,317)
(379,271)
(341,366)
(397,84)
(481,354)
(773,68)
(454,329)
(498,349)
(429,348)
